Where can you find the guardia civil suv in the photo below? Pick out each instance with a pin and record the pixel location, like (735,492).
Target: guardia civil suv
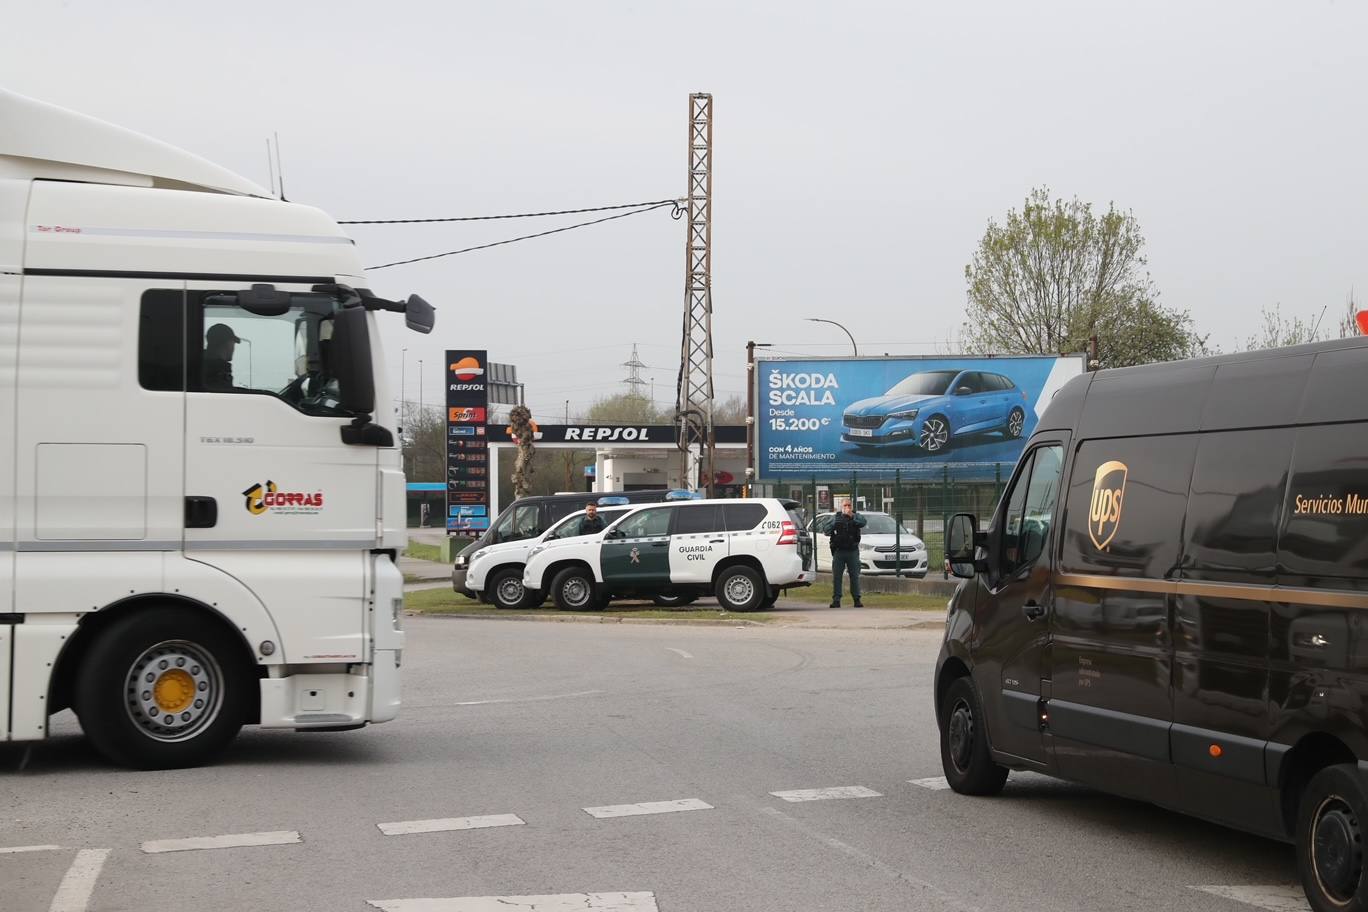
(745,552)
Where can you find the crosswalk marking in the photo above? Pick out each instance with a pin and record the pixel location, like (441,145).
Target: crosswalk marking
(233,841)
(560,902)
(73,894)
(648,807)
(1273,897)
(935,783)
(822,794)
(445,824)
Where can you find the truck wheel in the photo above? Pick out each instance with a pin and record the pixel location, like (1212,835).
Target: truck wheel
(1331,818)
(573,589)
(969,768)
(506,590)
(741,588)
(162,689)
(674,601)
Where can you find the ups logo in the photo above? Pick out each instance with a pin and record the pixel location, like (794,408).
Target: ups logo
(1108,495)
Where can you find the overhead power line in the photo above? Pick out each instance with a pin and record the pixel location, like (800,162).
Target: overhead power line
(678,211)
(493,218)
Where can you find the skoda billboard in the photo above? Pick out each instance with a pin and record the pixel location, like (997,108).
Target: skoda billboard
(837,416)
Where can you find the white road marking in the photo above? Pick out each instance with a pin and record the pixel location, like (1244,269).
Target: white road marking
(1274,897)
(445,824)
(935,783)
(842,791)
(233,841)
(681,653)
(578,693)
(15,850)
(560,902)
(73,895)
(648,807)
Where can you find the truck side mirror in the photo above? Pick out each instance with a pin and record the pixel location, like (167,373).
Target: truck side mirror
(419,315)
(351,360)
(961,544)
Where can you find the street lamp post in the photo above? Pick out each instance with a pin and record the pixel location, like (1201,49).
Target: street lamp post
(843,329)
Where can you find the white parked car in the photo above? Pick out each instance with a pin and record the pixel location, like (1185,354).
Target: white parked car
(743,551)
(882,551)
(495,572)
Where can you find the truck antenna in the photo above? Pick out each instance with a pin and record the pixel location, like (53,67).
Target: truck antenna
(270,165)
(280,170)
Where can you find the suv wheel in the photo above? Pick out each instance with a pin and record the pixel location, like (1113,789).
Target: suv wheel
(1016,423)
(1331,818)
(506,589)
(741,588)
(674,601)
(969,768)
(935,435)
(574,589)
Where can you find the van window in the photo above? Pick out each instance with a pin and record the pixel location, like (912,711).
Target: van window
(1127,520)
(559,509)
(1030,510)
(1238,485)
(697,520)
(571,527)
(517,524)
(1325,516)
(742,517)
(647,523)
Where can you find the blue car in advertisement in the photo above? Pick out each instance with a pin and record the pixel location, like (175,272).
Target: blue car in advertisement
(931,409)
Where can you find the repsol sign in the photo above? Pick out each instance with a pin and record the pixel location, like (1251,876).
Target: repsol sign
(610,433)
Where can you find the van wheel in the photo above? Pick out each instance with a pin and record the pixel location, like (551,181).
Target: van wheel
(162,690)
(506,589)
(969,768)
(1331,819)
(573,589)
(935,435)
(740,588)
(1016,423)
(674,601)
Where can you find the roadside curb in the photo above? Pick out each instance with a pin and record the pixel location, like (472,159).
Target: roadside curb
(794,624)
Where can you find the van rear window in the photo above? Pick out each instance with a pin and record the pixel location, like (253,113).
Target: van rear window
(1125,506)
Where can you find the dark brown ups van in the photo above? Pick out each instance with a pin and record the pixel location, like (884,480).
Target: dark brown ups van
(1171,603)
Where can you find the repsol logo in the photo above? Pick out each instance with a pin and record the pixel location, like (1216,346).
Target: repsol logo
(607,433)
(802,388)
(466,387)
(1108,499)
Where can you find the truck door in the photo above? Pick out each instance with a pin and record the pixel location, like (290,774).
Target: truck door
(13,199)
(638,556)
(698,543)
(1016,596)
(273,495)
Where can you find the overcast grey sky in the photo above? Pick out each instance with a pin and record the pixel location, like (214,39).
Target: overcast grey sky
(861,149)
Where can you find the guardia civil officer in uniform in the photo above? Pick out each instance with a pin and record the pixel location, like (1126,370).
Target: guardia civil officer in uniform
(845,552)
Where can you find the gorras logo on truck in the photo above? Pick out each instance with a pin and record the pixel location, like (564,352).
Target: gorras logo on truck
(1109,490)
(263,497)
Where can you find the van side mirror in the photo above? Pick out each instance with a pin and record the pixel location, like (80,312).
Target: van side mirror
(961,545)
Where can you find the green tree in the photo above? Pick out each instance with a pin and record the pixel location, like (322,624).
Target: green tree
(625,408)
(1279,331)
(1055,274)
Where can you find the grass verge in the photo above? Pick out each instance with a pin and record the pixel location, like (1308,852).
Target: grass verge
(444,601)
(421,551)
(821,592)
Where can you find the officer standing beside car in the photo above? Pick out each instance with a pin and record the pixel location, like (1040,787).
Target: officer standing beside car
(591,522)
(845,552)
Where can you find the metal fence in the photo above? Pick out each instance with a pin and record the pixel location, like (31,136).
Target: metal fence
(921,502)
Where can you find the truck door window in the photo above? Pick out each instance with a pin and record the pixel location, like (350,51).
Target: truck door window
(1030,510)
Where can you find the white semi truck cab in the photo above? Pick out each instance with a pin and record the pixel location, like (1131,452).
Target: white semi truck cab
(201,490)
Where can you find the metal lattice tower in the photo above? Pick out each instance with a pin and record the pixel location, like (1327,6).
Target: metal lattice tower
(635,382)
(695,404)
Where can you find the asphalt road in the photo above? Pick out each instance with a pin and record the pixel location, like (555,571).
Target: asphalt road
(537,722)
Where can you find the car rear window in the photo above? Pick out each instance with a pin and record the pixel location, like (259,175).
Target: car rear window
(696,520)
(742,517)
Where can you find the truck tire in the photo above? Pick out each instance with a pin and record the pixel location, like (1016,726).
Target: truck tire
(741,588)
(574,589)
(506,590)
(163,689)
(1331,818)
(969,768)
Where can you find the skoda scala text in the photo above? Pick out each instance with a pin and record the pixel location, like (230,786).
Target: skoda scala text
(930,408)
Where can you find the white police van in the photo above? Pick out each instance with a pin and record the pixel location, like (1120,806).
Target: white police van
(743,551)
(495,572)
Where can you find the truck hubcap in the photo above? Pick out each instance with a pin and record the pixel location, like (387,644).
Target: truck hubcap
(174,689)
(961,735)
(1337,849)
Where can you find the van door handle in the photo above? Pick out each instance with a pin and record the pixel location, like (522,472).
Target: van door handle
(1033,610)
(663,544)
